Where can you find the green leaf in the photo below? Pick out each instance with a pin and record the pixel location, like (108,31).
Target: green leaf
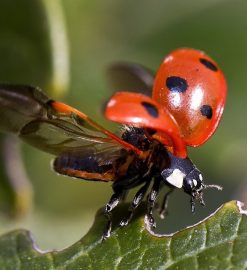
(218,242)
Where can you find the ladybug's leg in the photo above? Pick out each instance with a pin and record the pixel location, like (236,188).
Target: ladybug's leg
(163,210)
(135,203)
(113,202)
(152,199)
(124,196)
(192,204)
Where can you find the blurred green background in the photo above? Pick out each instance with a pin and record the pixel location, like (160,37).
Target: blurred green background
(35,37)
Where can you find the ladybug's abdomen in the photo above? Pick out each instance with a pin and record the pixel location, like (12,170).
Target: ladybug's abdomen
(193,89)
(72,164)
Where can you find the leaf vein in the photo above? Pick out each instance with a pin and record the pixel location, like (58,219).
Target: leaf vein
(200,251)
(82,252)
(234,242)
(131,251)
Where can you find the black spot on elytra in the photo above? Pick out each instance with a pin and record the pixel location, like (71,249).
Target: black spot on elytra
(176,84)
(208,64)
(206,110)
(151,109)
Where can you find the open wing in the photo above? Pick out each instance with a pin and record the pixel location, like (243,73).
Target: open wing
(130,77)
(141,111)
(52,126)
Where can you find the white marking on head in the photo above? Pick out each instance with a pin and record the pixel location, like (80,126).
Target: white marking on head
(200,177)
(176,178)
(195,182)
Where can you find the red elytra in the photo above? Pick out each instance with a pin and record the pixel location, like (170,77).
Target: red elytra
(197,100)
(142,111)
(189,93)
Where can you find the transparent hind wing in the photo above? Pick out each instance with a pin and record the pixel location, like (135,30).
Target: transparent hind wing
(20,104)
(49,125)
(130,77)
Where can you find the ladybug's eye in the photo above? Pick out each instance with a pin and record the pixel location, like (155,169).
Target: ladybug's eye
(194,182)
(197,183)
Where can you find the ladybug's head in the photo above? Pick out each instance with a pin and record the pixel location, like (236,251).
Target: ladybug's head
(194,186)
(182,173)
(193,182)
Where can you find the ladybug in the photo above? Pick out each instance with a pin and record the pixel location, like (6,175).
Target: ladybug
(160,116)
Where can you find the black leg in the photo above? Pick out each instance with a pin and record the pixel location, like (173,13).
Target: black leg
(124,196)
(163,210)
(135,203)
(114,201)
(151,201)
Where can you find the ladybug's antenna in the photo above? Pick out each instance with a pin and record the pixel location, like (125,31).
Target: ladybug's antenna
(213,186)
(199,196)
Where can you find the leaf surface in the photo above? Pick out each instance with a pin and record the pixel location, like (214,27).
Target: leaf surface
(218,242)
